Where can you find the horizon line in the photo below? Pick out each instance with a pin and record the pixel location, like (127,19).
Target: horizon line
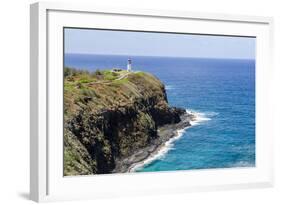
(199,57)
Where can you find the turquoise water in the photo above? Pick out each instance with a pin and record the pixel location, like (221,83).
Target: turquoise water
(222,91)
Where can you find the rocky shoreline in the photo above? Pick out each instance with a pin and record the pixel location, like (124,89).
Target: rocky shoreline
(113,125)
(165,133)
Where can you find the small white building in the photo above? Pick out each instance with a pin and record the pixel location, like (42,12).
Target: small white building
(129,65)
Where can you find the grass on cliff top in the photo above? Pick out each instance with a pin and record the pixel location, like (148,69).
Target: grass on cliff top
(106,89)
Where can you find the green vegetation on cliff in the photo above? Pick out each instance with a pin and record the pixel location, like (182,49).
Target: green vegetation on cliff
(109,115)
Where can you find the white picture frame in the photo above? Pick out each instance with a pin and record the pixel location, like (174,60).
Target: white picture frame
(46,179)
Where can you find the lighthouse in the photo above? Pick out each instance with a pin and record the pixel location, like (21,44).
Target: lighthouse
(129,65)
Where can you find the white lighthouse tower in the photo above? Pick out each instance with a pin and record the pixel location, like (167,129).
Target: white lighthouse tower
(129,65)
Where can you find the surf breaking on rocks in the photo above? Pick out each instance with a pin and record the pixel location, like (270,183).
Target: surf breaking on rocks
(163,150)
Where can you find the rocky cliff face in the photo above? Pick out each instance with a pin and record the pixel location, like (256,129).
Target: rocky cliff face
(110,116)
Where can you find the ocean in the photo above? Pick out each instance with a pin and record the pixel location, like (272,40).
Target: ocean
(220,91)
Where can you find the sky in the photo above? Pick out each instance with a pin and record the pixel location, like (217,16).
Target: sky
(108,42)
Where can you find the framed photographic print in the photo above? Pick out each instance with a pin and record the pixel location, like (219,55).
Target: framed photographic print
(127,102)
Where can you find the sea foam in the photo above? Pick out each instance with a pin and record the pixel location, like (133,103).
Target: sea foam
(200,116)
(169,87)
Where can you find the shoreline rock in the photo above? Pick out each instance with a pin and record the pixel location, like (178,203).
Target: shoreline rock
(165,133)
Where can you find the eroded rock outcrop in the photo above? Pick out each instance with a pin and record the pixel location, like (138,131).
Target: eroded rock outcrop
(107,119)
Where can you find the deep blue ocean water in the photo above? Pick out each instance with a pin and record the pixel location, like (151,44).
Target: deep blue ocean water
(222,90)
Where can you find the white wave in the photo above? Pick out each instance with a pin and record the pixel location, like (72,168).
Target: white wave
(169,87)
(199,117)
(160,153)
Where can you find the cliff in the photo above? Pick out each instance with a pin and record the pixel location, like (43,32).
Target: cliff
(109,116)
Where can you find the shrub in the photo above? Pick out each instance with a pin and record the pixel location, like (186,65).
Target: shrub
(67,72)
(88,92)
(97,72)
(85,81)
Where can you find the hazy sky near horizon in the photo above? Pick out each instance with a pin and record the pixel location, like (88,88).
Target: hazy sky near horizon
(108,42)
